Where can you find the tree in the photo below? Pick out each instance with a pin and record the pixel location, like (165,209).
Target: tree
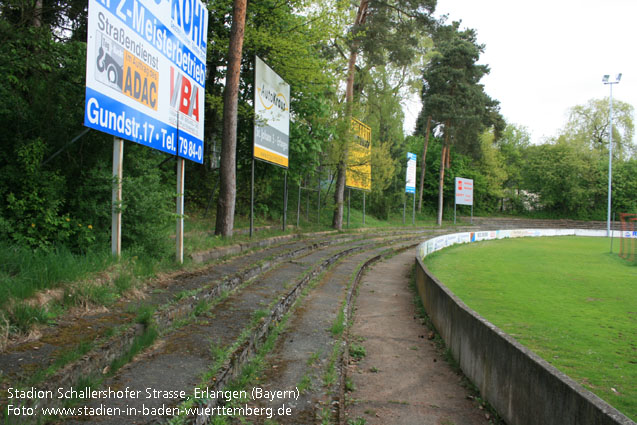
(566,179)
(227,172)
(512,145)
(589,124)
(454,96)
(386,32)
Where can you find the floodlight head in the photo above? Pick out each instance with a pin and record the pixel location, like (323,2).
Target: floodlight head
(619,77)
(605,79)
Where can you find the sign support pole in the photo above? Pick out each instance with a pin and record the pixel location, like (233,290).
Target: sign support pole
(454,212)
(181,175)
(298,208)
(318,189)
(413,212)
(307,199)
(404,207)
(363,208)
(285,200)
(116,222)
(349,197)
(252,200)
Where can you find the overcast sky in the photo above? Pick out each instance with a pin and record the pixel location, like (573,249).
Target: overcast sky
(549,55)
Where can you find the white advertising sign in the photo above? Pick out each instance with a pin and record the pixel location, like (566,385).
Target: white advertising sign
(410,185)
(272,111)
(464,191)
(146,72)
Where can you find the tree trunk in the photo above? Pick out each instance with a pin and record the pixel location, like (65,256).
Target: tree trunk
(448,158)
(441,181)
(339,189)
(37,14)
(424,163)
(227,170)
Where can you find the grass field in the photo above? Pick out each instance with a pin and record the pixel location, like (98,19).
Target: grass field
(566,298)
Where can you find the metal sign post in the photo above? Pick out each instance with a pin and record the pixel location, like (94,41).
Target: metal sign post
(318,189)
(285,200)
(181,174)
(116,222)
(349,197)
(298,208)
(252,200)
(413,212)
(363,208)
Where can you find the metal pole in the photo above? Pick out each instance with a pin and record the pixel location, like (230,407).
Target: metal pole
(181,174)
(285,200)
(471,222)
(252,200)
(611,237)
(413,213)
(298,208)
(318,214)
(349,197)
(116,222)
(454,213)
(404,207)
(610,161)
(307,200)
(363,208)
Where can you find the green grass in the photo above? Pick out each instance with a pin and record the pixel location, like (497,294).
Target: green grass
(23,272)
(566,298)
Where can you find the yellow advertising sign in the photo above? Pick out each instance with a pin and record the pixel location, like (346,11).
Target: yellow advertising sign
(359,161)
(140,81)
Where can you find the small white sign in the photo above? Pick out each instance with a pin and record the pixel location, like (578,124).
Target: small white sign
(464,191)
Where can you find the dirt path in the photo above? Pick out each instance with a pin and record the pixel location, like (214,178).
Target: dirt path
(401,378)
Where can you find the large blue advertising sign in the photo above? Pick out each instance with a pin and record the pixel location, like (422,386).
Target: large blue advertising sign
(146,71)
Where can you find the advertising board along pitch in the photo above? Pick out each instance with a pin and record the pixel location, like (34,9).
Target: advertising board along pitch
(359,167)
(272,112)
(146,72)
(410,179)
(464,191)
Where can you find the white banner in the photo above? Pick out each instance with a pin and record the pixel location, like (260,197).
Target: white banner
(146,72)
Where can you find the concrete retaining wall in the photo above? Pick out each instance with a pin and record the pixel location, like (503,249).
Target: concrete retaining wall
(522,387)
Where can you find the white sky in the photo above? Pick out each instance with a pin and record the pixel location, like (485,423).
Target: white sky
(549,55)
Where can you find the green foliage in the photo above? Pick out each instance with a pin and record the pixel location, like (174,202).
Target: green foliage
(148,202)
(566,180)
(452,93)
(23,272)
(588,125)
(357,352)
(23,316)
(625,186)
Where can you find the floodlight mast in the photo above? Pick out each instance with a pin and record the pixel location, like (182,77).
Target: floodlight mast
(605,80)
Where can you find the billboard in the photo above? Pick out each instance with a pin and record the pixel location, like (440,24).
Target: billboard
(272,112)
(464,191)
(359,160)
(146,72)
(410,185)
